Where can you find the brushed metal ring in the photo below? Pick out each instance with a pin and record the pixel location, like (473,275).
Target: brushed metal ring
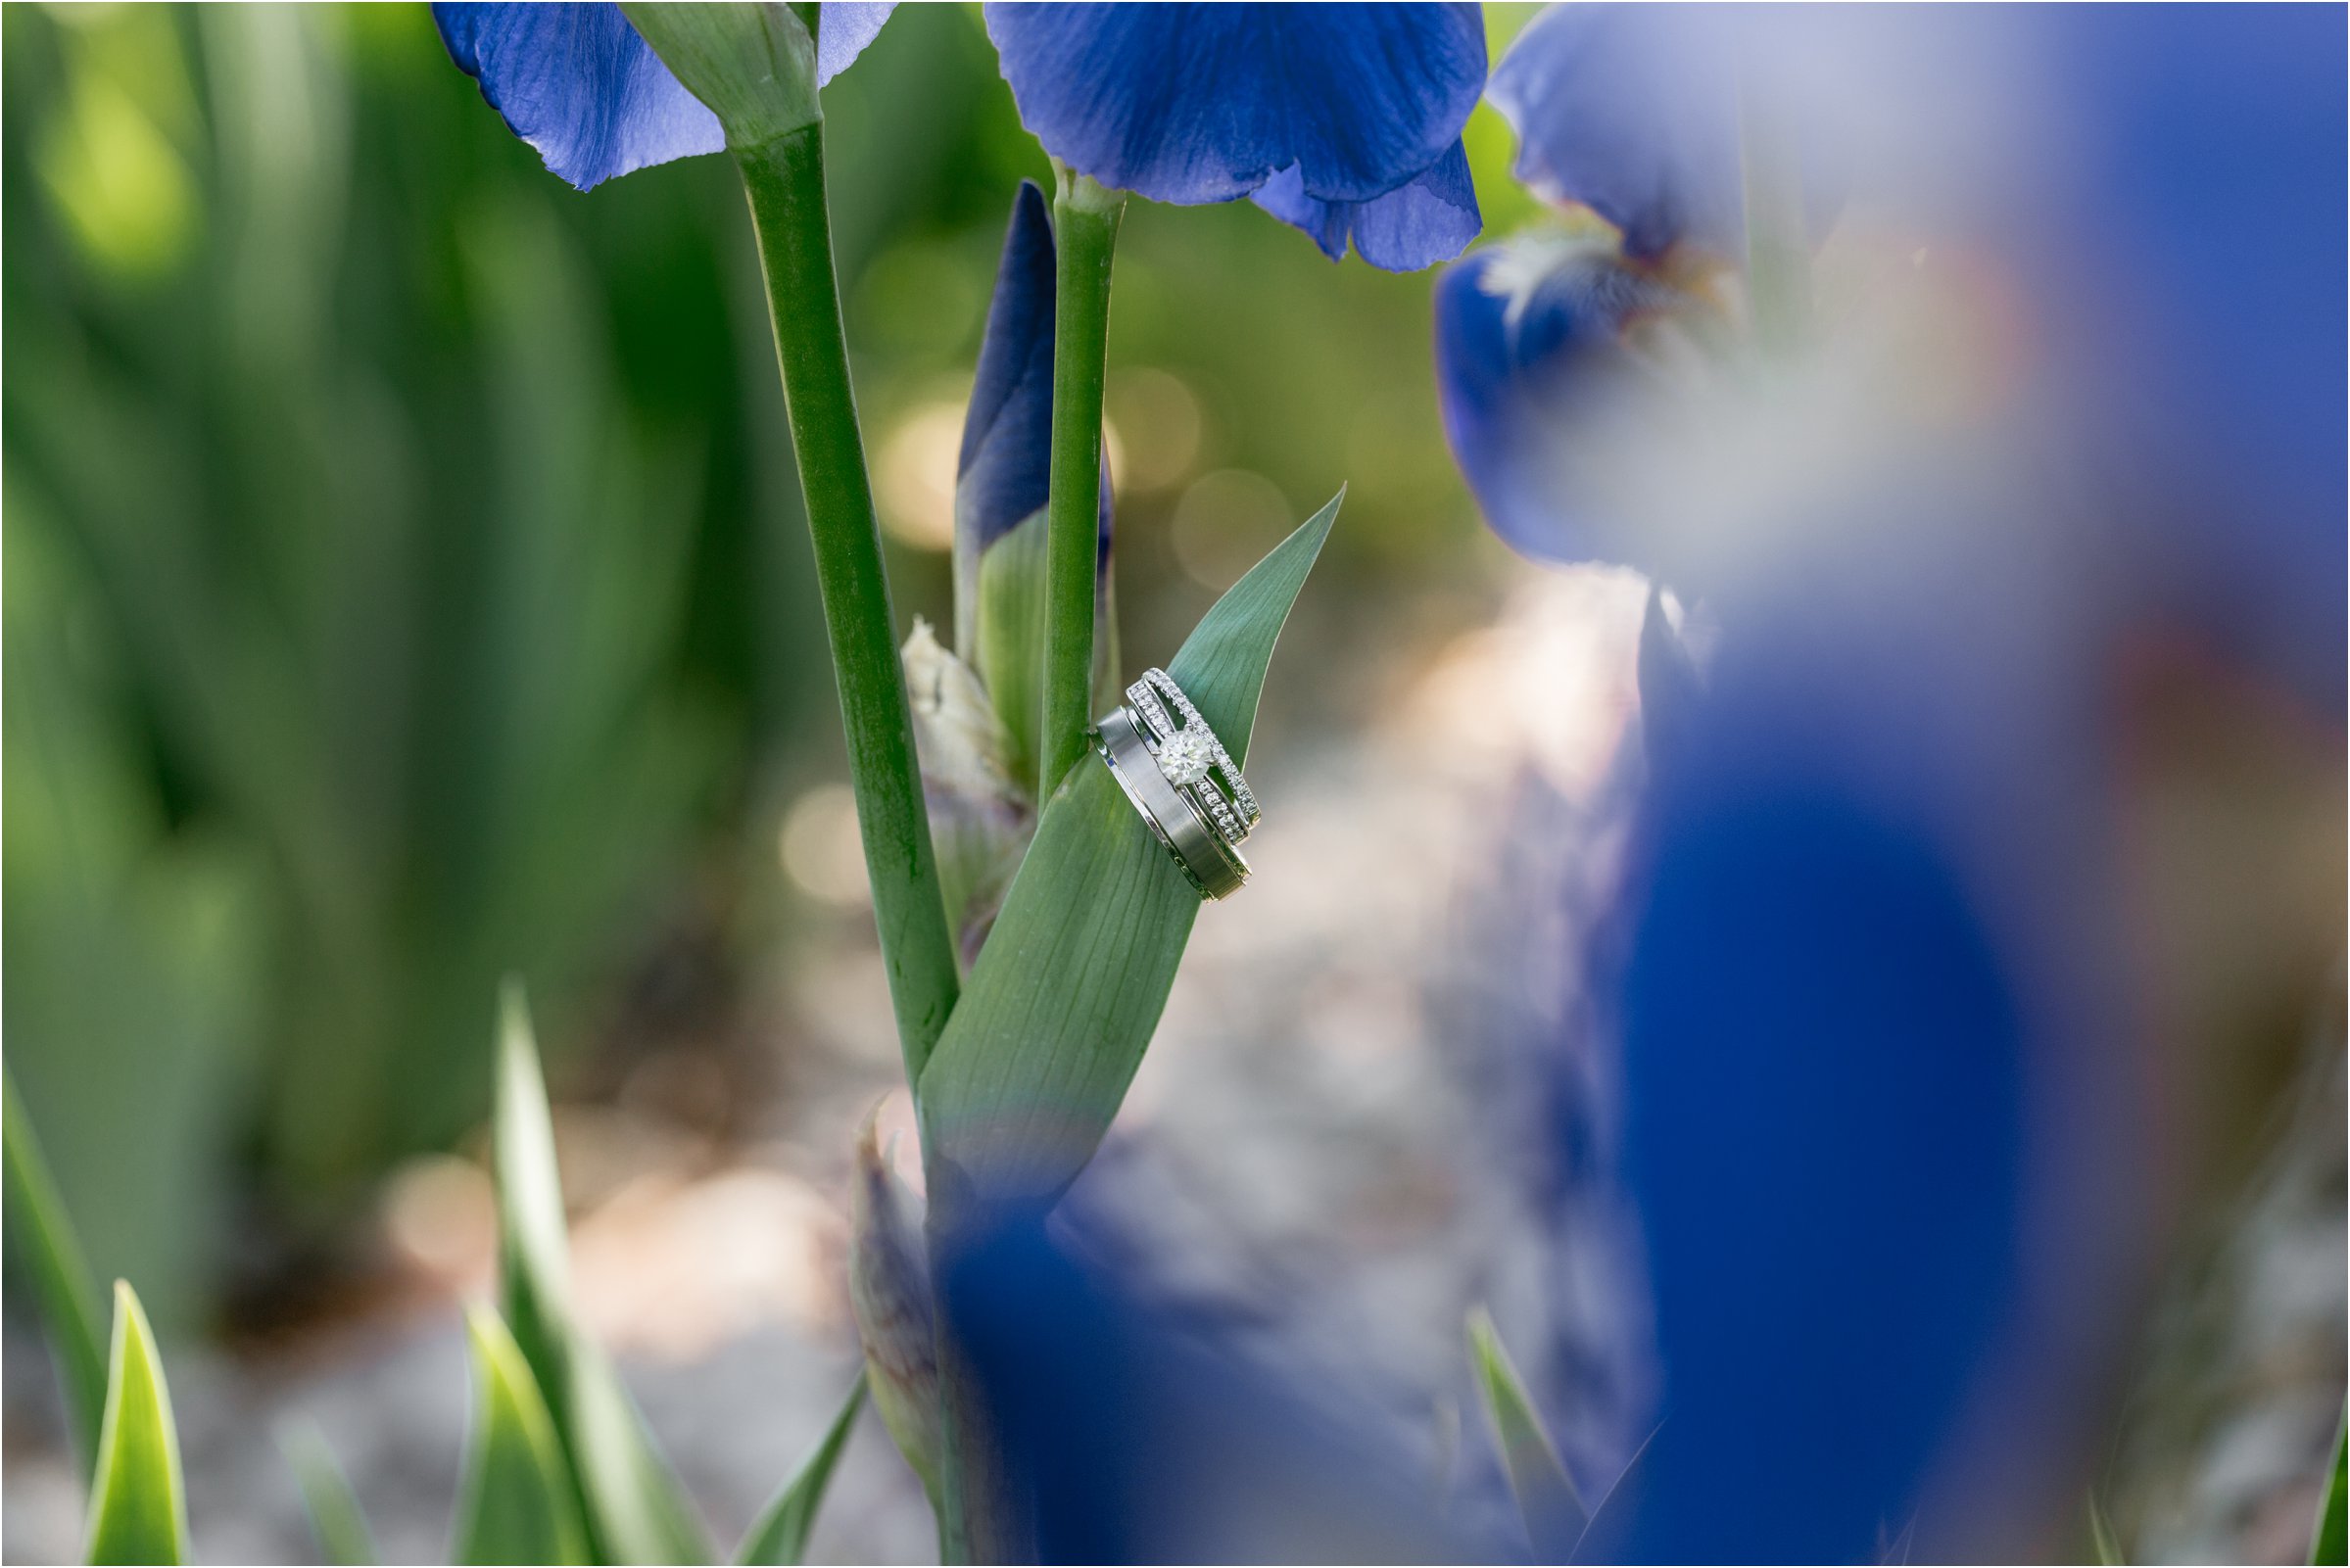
(1216,869)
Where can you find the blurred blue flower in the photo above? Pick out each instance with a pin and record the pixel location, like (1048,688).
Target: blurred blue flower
(2199,360)
(1632,110)
(1344,119)
(2221,373)
(1824,1058)
(1529,355)
(1133,1433)
(576,82)
(1891,1155)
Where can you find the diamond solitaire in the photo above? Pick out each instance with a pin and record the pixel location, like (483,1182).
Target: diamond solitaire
(1186,757)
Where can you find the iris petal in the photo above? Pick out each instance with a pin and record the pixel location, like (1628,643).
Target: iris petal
(1632,112)
(1528,337)
(1203,103)
(1828,1218)
(1431,220)
(576,82)
(843,27)
(1133,1433)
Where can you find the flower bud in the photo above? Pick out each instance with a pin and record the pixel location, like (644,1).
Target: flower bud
(980,817)
(890,1291)
(1002,480)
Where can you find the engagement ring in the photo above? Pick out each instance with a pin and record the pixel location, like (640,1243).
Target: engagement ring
(1182,781)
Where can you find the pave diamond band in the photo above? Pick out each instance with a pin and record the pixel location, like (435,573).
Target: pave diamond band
(1182,781)
(1193,759)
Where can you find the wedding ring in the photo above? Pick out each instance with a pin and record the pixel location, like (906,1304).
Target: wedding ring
(1181,780)
(1193,760)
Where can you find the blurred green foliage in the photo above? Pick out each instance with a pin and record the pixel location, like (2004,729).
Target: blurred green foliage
(405,582)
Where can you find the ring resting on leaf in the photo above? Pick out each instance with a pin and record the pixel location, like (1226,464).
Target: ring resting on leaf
(1180,779)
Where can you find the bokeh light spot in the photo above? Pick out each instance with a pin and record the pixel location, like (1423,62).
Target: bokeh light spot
(915,480)
(821,851)
(1225,522)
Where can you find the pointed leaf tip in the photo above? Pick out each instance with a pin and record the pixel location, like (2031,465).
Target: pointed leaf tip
(138,1501)
(2102,1540)
(632,1505)
(781,1533)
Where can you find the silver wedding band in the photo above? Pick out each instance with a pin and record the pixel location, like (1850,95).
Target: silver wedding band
(1180,779)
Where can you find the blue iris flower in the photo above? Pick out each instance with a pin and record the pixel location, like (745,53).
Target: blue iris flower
(1631,111)
(1529,349)
(577,83)
(2225,379)
(1884,1162)
(1133,1432)
(1342,119)
(1826,1060)
(2202,356)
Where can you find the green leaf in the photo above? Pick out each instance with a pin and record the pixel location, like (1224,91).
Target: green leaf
(51,1254)
(2107,1545)
(1547,1498)
(326,1495)
(636,1510)
(780,1534)
(138,1502)
(2329,1544)
(1062,1002)
(516,1505)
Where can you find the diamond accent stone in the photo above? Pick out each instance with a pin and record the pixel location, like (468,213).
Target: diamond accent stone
(1186,757)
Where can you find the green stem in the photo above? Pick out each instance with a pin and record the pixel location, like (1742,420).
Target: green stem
(1778,234)
(784,181)
(1084,241)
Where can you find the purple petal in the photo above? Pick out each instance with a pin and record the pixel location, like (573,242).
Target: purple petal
(576,82)
(1431,220)
(843,27)
(1203,103)
(1631,111)
(1528,343)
